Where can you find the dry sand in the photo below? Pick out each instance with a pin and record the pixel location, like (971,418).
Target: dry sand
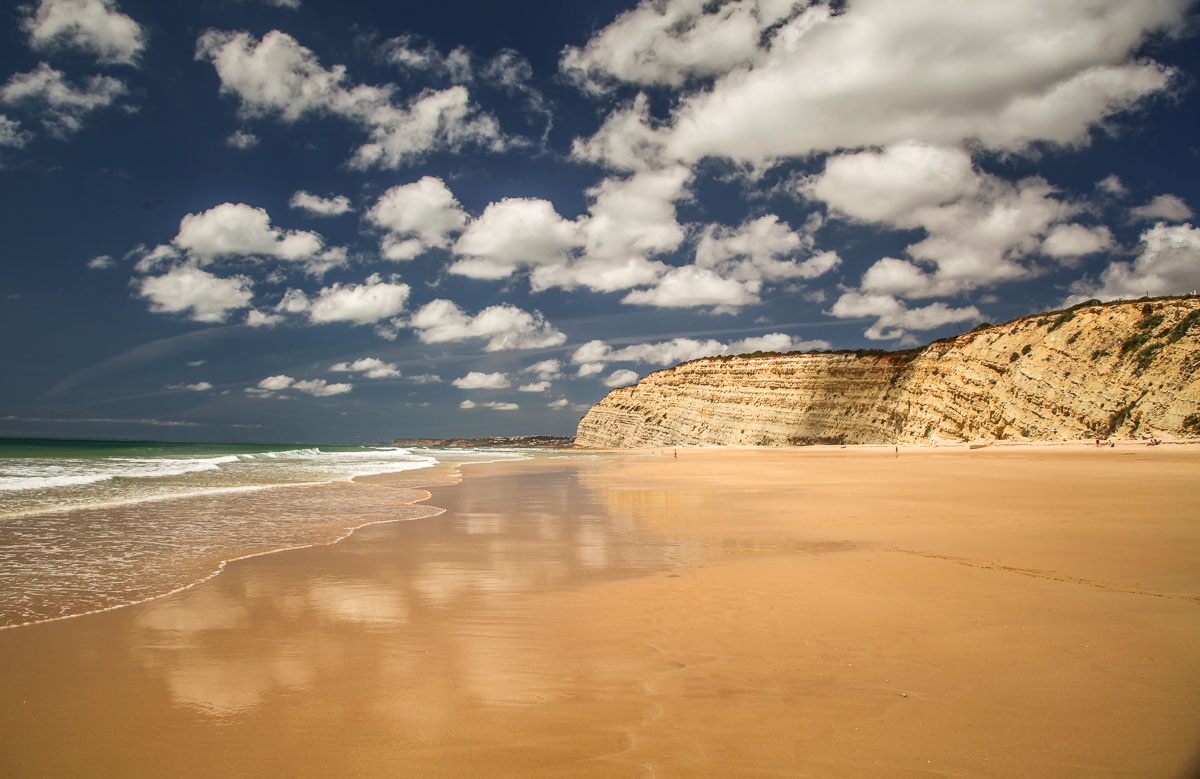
(1018,611)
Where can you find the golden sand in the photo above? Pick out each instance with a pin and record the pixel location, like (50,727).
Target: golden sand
(824,612)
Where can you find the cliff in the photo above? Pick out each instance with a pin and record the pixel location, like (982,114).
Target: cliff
(1093,370)
(492,442)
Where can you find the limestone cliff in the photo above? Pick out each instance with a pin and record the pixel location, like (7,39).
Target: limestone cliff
(1094,370)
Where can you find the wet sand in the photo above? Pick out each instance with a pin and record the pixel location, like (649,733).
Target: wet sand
(1025,611)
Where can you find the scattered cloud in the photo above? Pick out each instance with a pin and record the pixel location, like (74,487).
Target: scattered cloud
(11,134)
(977,226)
(691,286)
(594,355)
(294,301)
(1168,264)
(240,139)
(505,326)
(1167,207)
(256,318)
(1075,240)
(276,76)
(545,369)
(61,106)
(319,388)
(278,382)
(763,249)
(925,69)
(322,389)
(102,262)
(671,43)
(621,378)
(1112,185)
(412,53)
(417,217)
(205,297)
(232,230)
(537,386)
(498,405)
(370,367)
(560,403)
(360,304)
(467,404)
(894,320)
(267,387)
(92,26)
(480,380)
(200,386)
(316,205)
(513,233)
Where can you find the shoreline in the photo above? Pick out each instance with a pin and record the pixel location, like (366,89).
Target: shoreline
(760,610)
(401,478)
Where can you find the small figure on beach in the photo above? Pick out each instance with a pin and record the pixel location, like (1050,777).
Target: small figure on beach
(675,452)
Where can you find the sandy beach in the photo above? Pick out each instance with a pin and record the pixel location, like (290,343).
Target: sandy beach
(1003,611)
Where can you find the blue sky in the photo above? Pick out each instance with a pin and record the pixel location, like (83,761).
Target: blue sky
(294,220)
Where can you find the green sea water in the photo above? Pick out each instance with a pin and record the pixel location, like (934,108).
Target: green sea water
(89,525)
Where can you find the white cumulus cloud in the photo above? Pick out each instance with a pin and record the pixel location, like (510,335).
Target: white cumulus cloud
(505,326)
(93,26)
(61,105)
(545,369)
(11,134)
(204,296)
(1167,207)
(977,226)
(896,320)
(620,378)
(277,76)
(512,233)
(691,286)
(371,367)
(322,389)
(1076,240)
(360,304)
(1168,264)
(320,206)
(256,318)
(595,354)
(417,217)
(480,380)
(240,230)
(1005,74)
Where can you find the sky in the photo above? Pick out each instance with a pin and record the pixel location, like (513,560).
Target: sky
(299,220)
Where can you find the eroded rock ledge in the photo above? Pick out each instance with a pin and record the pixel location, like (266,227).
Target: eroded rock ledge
(1130,368)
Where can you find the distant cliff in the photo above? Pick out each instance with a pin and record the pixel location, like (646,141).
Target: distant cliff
(492,442)
(1094,370)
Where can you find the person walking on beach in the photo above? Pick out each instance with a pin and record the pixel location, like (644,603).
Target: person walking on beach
(676,453)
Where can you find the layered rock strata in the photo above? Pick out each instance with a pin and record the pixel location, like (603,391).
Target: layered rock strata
(1128,369)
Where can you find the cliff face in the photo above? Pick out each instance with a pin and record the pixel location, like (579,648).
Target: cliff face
(1124,369)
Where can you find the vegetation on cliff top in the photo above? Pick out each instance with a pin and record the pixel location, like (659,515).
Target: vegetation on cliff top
(1051,319)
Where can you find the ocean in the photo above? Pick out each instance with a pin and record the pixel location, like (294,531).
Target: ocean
(87,526)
